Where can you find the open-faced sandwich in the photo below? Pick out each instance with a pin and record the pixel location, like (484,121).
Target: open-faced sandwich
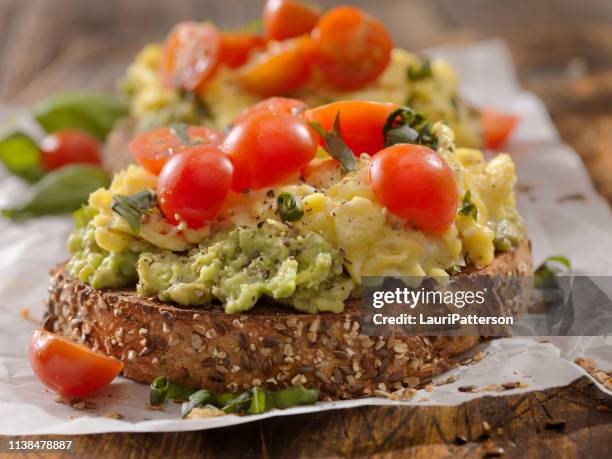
(232,261)
(205,75)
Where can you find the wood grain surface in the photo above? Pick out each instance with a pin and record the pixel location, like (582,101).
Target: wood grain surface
(563,52)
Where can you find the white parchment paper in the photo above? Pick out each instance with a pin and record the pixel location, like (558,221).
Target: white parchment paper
(580,230)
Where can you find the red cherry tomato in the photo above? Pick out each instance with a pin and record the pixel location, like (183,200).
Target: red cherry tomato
(280,70)
(193,185)
(154,148)
(289,18)
(267,148)
(69,146)
(237,46)
(361,122)
(351,47)
(68,368)
(191,54)
(273,105)
(497,127)
(413,182)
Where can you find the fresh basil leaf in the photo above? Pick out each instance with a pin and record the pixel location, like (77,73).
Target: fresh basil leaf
(334,144)
(93,113)
(420,71)
(289,207)
(468,207)
(404,125)
(133,207)
(21,157)
(60,191)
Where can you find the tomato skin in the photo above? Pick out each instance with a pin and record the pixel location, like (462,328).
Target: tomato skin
(237,46)
(154,148)
(497,127)
(69,146)
(279,70)
(361,122)
(267,148)
(285,19)
(194,184)
(351,47)
(273,105)
(191,54)
(414,183)
(68,368)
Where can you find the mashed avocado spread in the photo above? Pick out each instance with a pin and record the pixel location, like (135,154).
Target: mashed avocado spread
(236,267)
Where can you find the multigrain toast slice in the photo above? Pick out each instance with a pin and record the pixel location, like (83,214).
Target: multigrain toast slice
(270,345)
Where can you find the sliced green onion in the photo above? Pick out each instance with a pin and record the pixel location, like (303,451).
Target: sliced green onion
(258,401)
(199,398)
(163,389)
(293,396)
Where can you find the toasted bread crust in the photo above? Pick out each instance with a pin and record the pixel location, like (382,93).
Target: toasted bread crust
(271,345)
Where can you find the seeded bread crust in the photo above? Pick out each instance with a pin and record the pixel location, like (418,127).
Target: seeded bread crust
(271,345)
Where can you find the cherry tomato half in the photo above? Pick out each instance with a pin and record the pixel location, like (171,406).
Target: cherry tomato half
(273,105)
(414,183)
(497,127)
(69,146)
(68,368)
(267,148)
(154,148)
(351,47)
(237,46)
(191,54)
(361,122)
(193,185)
(289,18)
(280,70)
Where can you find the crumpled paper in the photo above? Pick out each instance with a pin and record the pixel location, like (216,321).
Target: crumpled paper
(580,230)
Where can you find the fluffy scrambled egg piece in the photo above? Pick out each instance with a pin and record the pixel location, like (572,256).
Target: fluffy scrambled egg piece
(434,92)
(344,210)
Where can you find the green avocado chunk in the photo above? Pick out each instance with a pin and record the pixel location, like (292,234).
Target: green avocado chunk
(240,266)
(236,267)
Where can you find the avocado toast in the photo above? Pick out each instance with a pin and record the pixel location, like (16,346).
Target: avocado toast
(236,261)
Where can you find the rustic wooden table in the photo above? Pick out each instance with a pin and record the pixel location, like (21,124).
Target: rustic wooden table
(563,52)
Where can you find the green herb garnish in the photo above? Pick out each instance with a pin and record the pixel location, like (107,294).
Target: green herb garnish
(334,144)
(468,207)
(199,398)
(181,131)
(289,207)
(259,401)
(545,275)
(21,157)
(255,401)
(60,191)
(420,71)
(91,112)
(162,388)
(133,207)
(293,396)
(404,125)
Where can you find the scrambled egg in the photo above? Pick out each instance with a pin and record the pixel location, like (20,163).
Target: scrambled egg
(344,211)
(434,93)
